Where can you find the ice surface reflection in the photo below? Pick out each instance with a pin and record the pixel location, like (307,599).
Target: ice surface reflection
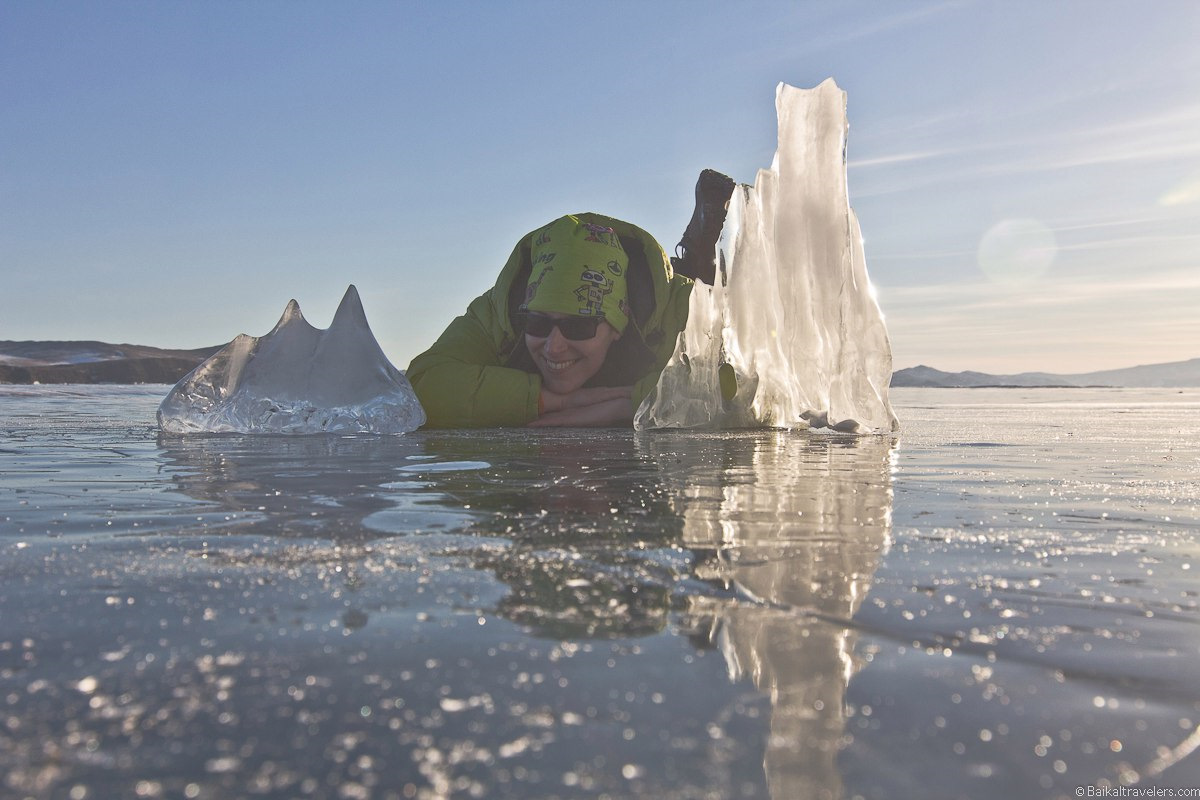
(564,614)
(595,534)
(798,529)
(1001,604)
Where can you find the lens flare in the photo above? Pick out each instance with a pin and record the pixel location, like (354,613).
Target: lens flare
(1017,251)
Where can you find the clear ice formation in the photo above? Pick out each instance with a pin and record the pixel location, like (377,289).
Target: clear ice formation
(297,379)
(794,317)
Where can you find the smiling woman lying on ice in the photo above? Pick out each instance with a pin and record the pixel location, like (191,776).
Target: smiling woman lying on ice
(576,330)
(579,325)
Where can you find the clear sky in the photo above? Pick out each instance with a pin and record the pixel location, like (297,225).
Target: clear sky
(1026,172)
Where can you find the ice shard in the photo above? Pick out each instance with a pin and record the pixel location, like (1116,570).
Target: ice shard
(792,317)
(297,379)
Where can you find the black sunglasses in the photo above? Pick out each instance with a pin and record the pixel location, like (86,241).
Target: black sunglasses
(577,329)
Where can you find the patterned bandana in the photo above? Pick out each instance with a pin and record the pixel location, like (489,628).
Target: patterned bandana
(578,268)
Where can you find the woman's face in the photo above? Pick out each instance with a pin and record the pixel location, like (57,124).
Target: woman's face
(566,365)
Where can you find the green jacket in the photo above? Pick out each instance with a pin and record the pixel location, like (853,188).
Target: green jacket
(478,374)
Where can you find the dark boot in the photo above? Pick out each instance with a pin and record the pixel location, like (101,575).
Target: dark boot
(695,255)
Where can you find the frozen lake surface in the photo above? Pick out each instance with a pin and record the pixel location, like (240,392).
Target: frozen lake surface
(1000,602)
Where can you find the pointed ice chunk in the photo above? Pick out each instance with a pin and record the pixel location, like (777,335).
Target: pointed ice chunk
(297,379)
(795,319)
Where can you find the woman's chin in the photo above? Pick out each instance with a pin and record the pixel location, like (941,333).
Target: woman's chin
(560,387)
(561,384)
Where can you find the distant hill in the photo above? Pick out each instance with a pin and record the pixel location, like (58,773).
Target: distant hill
(95,362)
(100,362)
(1173,374)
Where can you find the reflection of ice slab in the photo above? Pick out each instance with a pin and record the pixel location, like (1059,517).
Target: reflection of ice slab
(297,379)
(796,525)
(795,317)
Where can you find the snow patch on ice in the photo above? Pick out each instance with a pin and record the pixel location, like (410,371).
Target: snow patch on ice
(793,318)
(297,379)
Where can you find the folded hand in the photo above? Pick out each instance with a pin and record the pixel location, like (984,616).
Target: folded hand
(599,406)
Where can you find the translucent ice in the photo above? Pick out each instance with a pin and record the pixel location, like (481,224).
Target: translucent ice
(297,379)
(793,317)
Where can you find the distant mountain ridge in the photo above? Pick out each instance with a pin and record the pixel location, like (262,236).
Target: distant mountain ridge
(101,362)
(95,362)
(1169,375)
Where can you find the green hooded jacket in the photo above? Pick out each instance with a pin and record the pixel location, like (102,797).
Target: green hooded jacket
(478,374)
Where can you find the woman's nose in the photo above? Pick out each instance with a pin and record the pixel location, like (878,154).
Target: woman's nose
(555,342)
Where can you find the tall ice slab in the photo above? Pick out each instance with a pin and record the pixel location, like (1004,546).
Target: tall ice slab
(793,318)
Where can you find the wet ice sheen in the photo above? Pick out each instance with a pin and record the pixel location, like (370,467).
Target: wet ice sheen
(297,380)
(1001,603)
(795,317)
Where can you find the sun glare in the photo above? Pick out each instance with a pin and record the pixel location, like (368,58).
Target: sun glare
(1017,251)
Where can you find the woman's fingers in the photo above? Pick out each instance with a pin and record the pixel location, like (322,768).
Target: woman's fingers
(613,411)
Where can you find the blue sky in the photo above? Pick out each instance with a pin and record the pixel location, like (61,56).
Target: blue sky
(171,173)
